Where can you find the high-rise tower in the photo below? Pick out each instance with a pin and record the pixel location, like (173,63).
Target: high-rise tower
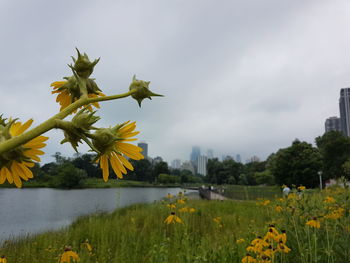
(344,107)
(144,147)
(332,124)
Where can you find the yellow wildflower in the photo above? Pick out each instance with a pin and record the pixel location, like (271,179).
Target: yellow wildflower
(192,210)
(248,259)
(3,259)
(336,214)
(265,202)
(283,247)
(241,240)
(115,153)
(282,237)
(301,188)
(173,219)
(171,206)
(181,201)
(217,219)
(69,255)
(329,200)
(313,223)
(15,170)
(87,245)
(278,208)
(169,196)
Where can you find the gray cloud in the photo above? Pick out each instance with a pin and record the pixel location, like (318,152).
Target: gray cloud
(242,77)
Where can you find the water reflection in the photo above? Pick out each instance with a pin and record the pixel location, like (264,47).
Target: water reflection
(28,211)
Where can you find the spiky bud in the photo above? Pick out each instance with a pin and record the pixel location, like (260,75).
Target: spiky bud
(83,66)
(142,90)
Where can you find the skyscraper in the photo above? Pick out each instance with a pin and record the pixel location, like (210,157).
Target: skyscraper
(332,124)
(238,158)
(202,165)
(344,107)
(210,153)
(144,147)
(196,151)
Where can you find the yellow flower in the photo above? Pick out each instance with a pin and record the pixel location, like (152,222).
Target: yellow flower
(192,210)
(183,210)
(265,202)
(169,196)
(248,259)
(3,259)
(278,208)
(171,206)
(329,200)
(173,219)
(69,255)
(65,96)
(301,188)
(87,245)
(181,201)
(217,219)
(282,237)
(336,214)
(313,223)
(17,169)
(241,240)
(114,154)
(282,247)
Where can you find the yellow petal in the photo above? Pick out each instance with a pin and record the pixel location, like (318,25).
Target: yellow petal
(115,167)
(104,167)
(126,163)
(8,174)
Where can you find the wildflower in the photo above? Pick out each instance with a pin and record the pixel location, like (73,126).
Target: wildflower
(173,219)
(171,206)
(3,259)
(169,196)
(183,210)
(69,91)
(278,208)
(68,255)
(191,210)
(111,143)
(336,214)
(265,202)
(248,259)
(282,237)
(87,245)
(314,223)
(15,164)
(241,240)
(217,219)
(329,200)
(181,201)
(283,247)
(301,188)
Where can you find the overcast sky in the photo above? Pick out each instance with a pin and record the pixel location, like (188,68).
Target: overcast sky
(243,77)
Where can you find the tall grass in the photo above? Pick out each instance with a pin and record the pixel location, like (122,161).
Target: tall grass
(218,231)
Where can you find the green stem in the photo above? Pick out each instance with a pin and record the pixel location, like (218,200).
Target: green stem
(51,123)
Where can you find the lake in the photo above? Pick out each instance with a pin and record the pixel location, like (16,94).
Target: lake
(31,211)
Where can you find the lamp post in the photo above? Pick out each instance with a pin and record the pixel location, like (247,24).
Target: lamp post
(320,177)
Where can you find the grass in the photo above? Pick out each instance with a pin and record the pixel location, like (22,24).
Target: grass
(218,231)
(242,192)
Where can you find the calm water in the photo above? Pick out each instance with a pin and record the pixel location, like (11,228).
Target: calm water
(29,211)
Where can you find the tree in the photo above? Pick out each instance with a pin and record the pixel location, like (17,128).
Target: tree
(298,164)
(142,171)
(85,162)
(335,151)
(70,176)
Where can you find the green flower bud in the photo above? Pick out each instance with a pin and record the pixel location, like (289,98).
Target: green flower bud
(83,66)
(78,129)
(142,90)
(104,140)
(2,120)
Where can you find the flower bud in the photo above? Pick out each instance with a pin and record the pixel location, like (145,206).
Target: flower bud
(76,130)
(83,66)
(142,90)
(104,140)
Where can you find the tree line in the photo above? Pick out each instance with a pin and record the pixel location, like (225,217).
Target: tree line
(300,164)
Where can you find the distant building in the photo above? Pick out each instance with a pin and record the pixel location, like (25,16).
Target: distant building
(188,166)
(344,107)
(254,159)
(333,124)
(238,158)
(196,151)
(210,154)
(144,147)
(202,165)
(158,159)
(176,164)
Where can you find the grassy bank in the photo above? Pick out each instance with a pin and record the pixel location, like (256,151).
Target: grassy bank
(214,231)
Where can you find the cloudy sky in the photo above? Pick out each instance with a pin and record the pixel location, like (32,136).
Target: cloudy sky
(243,76)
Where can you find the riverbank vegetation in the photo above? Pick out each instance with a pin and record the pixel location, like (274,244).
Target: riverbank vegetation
(311,227)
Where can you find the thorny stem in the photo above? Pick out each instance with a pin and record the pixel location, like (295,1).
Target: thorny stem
(52,122)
